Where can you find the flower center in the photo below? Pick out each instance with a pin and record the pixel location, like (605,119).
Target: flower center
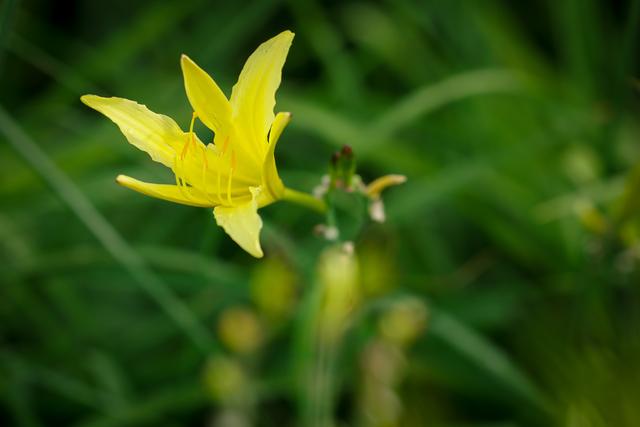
(232,166)
(186,186)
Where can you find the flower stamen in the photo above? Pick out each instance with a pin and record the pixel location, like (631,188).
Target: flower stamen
(191,136)
(233,166)
(221,154)
(225,145)
(205,168)
(180,182)
(179,160)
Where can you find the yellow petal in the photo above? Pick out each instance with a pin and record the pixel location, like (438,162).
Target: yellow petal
(253,97)
(272,181)
(206,98)
(185,196)
(242,223)
(155,134)
(380,184)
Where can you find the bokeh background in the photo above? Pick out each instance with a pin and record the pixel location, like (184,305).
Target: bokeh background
(501,291)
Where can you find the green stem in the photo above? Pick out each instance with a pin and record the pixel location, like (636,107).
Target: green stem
(305,199)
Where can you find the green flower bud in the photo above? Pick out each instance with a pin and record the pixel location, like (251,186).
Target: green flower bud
(240,330)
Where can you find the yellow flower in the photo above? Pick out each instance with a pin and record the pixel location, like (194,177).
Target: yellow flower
(236,174)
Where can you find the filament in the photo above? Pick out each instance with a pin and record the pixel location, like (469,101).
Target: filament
(191,136)
(233,166)
(225,146)
(179,161)
(205,167)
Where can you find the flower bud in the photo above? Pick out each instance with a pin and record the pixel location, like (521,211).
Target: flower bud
(240,330)
(225,380)
(338,276)
(382,366)
(273,288)
(404,321)
(343,168)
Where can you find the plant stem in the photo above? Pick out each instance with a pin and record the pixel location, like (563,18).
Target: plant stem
(305,199)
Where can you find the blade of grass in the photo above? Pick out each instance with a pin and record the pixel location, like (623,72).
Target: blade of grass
(433,96)
(420,193)
(74,81)
(155,409)
(338,130)
(165,259)
(485,356)
(112,241)
(55,381)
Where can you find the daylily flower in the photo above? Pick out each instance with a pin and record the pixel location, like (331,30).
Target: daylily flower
(236,174)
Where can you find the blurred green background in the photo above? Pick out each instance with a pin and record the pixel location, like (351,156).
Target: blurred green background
(501,291)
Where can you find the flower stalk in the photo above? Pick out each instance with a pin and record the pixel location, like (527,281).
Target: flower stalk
(304,199)
(332,302)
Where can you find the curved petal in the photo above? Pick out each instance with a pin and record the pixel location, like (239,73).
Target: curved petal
(172,193)
(270,176)
(157,135)
(242,223)
(206,98)
(376,187)
(253,96)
